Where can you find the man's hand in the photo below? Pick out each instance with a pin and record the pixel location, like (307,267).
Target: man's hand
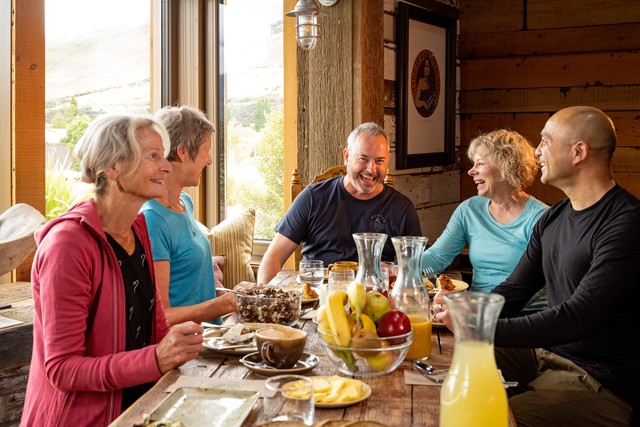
(182,343)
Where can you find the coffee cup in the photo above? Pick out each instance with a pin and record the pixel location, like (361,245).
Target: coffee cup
(280,346)
(343,265)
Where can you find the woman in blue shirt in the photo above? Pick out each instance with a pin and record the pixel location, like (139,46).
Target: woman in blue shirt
(497,223)
(181,252)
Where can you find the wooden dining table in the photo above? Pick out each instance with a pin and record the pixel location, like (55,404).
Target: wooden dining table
(392,401)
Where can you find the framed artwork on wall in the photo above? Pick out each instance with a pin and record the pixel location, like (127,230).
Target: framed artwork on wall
(426,84)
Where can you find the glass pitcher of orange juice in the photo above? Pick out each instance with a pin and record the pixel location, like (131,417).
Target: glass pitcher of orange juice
(472,393)
(410,295)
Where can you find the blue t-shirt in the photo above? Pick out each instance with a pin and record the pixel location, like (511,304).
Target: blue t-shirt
(324,216)
(175,237)
(494,248)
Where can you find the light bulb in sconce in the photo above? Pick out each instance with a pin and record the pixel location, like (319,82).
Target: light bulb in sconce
(306,13)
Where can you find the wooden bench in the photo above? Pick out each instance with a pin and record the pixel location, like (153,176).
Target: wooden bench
(16,343)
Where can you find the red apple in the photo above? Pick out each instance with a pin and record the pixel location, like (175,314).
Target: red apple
(393,323)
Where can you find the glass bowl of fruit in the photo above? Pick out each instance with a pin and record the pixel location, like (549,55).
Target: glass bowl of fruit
(368,338)
(365,354)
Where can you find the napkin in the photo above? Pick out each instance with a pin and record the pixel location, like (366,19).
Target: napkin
(412,377)
(219,383)
(309,315)
(5,322)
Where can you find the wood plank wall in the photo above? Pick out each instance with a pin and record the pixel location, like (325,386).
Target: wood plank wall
(522,60)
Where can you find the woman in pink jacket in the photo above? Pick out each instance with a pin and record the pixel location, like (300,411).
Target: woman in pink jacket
(100,338)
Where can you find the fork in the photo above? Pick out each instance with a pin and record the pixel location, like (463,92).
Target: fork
(430,274)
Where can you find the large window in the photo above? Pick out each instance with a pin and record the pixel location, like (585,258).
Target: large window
(97,61)
(251,122)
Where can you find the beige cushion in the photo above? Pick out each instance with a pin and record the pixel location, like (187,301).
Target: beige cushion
(233,239)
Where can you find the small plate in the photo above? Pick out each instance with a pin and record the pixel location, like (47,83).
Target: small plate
(253,362)
(310,301)
(223,408)
(366,392)
(438,325)
(213,340)
(460,286)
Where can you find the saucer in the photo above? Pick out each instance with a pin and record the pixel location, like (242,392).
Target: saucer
(254,363)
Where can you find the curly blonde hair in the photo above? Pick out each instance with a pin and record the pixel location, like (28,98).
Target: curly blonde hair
(511,153)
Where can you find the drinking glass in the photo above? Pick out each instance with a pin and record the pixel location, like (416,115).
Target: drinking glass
(312,272)
(288,398)
(338,279)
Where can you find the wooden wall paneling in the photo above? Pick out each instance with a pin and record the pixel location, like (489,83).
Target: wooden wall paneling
(579,13)
(548,99)
(491,16)
(28,144)
(528,125)
(535,71)
(629,181)
(627,125)
(539,42)
(626,159)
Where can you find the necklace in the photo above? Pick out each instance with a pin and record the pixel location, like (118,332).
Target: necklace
(181,207)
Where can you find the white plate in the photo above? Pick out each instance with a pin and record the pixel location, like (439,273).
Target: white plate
(253,362)
(213,407)
(366,392)
(459,284)
(213,340)
(309,301)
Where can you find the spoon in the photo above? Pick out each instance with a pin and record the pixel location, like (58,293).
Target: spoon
(437,376)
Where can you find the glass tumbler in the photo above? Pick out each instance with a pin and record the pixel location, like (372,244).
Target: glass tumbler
(338,279)
(288,398)
(311,272)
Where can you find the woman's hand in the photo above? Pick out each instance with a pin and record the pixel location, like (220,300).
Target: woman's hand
(440,309)
(245,287)
(182,343)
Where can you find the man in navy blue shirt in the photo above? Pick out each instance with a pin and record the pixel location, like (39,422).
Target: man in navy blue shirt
(325,215)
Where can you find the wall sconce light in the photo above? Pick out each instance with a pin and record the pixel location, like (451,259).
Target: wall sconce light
(306,13)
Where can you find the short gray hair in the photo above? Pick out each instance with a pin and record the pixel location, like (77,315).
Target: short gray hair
(186,126)
(511,153)
(111,139)
(369,128)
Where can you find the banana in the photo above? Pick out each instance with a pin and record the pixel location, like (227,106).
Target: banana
(337,316)
(324,326)
(357,297)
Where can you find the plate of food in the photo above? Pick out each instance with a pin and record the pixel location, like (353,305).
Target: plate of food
(236,339)
(190,406)
(445,282)
(254,362)
(338,392)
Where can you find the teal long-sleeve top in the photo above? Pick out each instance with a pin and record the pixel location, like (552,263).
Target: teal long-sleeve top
(494,248)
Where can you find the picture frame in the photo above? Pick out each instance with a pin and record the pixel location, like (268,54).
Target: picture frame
(426,84)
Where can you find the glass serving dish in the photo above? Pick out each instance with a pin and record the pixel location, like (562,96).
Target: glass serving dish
(270,305)
(376,356)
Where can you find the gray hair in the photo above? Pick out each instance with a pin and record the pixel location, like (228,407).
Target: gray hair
(511,153)
(111,139)
(369,128)
(186,126)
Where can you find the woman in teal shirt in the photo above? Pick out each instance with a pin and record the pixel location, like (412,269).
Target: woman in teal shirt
(497,223)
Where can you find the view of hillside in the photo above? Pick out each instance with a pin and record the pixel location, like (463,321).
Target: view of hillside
(105,71)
